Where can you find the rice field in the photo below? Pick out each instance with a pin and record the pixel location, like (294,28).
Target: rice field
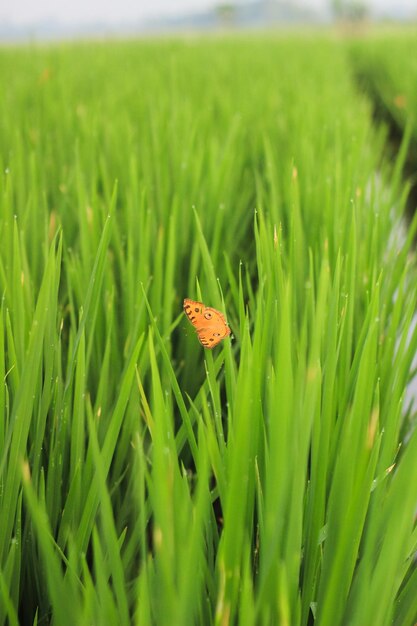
(145,479)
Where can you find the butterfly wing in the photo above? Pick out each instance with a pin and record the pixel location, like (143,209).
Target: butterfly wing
(214,330)
(194,311)
(210,324)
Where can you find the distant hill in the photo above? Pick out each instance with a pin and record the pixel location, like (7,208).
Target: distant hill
(251,14)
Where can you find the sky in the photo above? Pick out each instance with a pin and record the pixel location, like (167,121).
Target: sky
(25,12)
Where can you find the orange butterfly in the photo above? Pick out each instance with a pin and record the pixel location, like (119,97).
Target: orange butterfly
(210,324)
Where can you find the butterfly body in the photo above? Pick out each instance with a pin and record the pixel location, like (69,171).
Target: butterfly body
(210,324)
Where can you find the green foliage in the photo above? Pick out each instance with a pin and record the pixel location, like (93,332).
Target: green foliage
(142,479)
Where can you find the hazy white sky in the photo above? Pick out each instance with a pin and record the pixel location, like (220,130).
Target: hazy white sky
(71,11)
